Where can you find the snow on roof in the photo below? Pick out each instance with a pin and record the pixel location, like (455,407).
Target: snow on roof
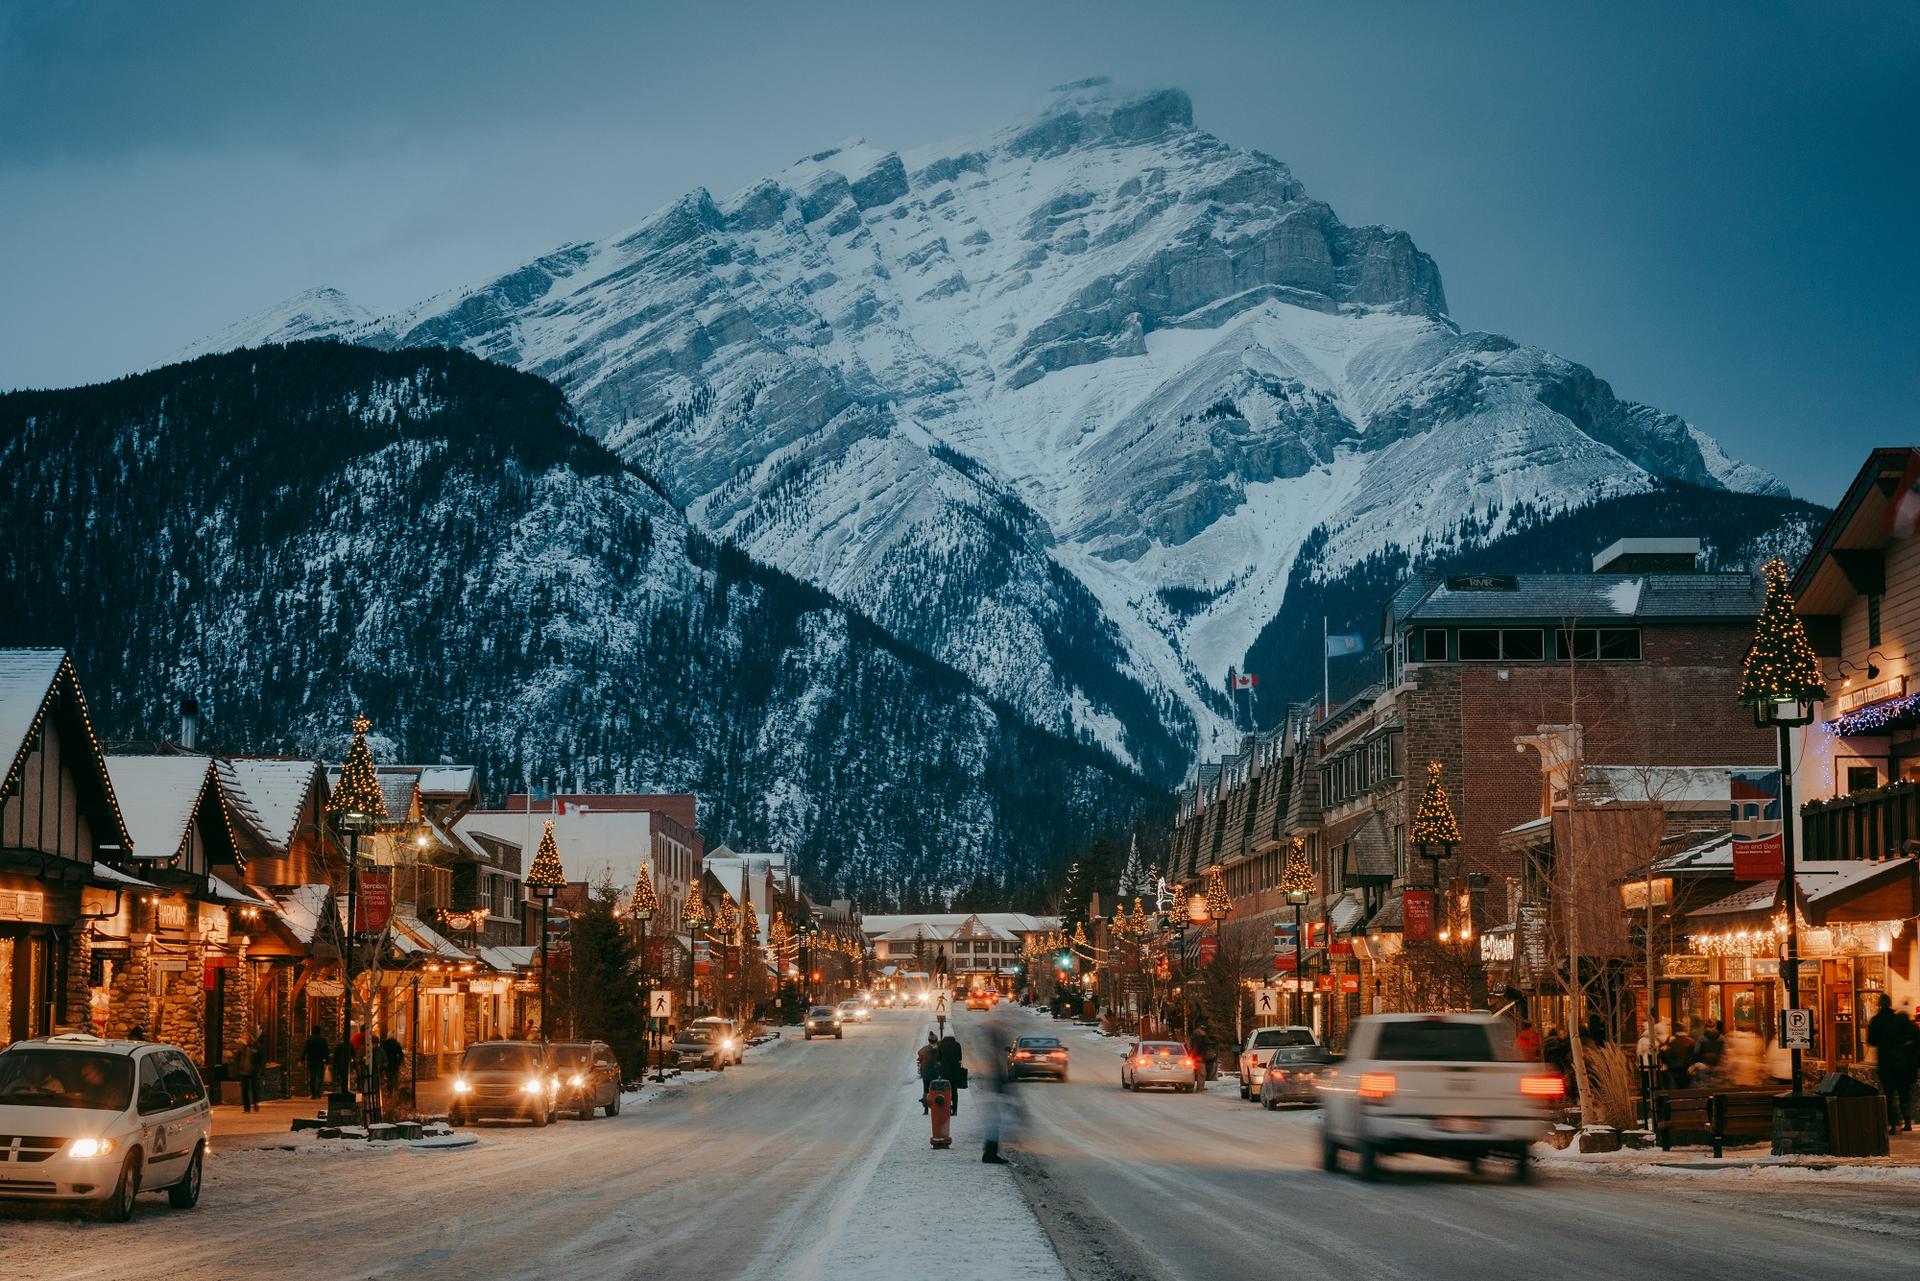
(1713,852)
(26,677)
(1587,597)
(508,959)
(447,779)
(105,874)
(226,893)
(411,934)
(1011,922)
(158,797)
(594,845)
(301,908)
(271,792)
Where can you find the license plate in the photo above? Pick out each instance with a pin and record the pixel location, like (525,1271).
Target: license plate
(1459,1125)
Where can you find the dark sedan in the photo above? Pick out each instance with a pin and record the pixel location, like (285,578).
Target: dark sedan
(1032,1057)
(700,1046)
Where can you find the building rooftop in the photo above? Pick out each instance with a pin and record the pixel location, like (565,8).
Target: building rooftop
(1590,598)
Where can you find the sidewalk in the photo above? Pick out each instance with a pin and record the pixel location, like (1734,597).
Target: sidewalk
(272,1122)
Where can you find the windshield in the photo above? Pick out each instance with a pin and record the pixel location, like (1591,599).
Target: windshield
(66,1079)
(1440,1041)
(500,1057)
(820,1012)
(1299,1054)
(1163,1047)
(698,1033)
(571,1055)
(1278,1036)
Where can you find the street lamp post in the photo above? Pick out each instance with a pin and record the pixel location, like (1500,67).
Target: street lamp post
(1296,882)
(357,805)
(545,878)
(1781,682)
(645,903)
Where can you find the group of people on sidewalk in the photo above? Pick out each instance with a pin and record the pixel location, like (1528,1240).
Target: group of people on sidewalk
(941,1058)
(1896,1046)
(318,1053)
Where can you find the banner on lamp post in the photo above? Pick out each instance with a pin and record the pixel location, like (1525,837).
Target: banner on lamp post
(374,904)
(1416,915)
(1759,858)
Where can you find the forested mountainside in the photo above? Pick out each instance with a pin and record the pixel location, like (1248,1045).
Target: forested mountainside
(297,534)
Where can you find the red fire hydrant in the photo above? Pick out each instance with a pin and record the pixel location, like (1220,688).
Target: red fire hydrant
(940,1108)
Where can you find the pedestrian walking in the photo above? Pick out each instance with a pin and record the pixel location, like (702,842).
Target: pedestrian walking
(1708,1053)
(1676,1059)
(1202,1050)
(244,1066)
(953,1067)
(393,1057)
(314,1053)
(1557,1053)
(343,1068)
(1892,1039)
(1527,1043)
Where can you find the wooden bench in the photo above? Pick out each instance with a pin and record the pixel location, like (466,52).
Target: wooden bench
(1713,1115)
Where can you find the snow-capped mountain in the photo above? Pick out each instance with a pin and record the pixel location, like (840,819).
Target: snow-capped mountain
(301,533)
(1060,407)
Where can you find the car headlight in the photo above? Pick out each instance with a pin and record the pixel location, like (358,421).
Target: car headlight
(532,1087)
(576,1080)
(460,1085)
(90,1147)
(727,1044)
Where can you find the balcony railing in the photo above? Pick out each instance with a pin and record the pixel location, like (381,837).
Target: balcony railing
(1867,824)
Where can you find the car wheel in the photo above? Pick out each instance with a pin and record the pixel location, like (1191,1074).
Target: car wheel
(1522,1166)
(1124,1085)
(1063,1078)
(1329,1156)
(809,1036)
(456,1118)
(613,1108)
(539,1118)
(185,1194)
(1473,1165)
(1245,1093)
(1271,1105)
(839,1036)
(119,1206)
(1369,1162)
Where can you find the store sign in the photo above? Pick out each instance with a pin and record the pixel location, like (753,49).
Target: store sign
(1878,692)
(1482,583)
(171,914)
(1284,937)
(23,905)
(1637,896)
(1759,858)
(1416,915)
(1208,949)
(1349,982)
(1683,967)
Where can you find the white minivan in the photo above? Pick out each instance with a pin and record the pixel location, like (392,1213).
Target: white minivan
(99,1122)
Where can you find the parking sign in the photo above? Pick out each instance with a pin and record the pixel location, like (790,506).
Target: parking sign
(1797,1028)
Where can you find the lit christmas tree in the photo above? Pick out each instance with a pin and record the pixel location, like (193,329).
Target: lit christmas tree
(357,798)
(546,872)
(644,899)
(1433,821)
(1297,876)
(1781,666)
(1219,903)
(694,914)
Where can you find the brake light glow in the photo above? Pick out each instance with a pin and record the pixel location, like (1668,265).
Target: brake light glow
(1188,1063)
(1143,1061)
(1056,1054)
(1023,1054)
(1376,1085)
(1543,1087)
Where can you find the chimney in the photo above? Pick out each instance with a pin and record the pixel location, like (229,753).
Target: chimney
(189,722)
(1649,556)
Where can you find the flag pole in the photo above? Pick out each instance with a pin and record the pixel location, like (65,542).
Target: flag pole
(1326,672)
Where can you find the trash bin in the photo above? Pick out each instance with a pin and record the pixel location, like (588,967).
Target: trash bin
(1856,1115)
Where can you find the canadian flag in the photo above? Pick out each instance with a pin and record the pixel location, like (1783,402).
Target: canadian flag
(1245,680)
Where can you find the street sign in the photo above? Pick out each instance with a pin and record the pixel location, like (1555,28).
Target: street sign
(660,1005)
(942,1004)
(1797,1029)
(1266,1002)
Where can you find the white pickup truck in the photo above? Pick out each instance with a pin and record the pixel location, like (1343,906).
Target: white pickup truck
(1261,1043)
(1435,1084)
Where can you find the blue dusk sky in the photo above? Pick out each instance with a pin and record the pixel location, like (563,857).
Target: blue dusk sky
(1712,205)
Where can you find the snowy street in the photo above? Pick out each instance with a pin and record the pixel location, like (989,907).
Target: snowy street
(811,1161)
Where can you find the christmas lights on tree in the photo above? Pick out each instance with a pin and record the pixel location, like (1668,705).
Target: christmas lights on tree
(694,914)
(357,801)
(1296,878)
(1219,904)
(645,901)
(1433,821)
(1139,922)
(727,918)
(1781,666)
(778,935)
(546,872)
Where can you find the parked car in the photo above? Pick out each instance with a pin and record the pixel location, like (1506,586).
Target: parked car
(824,1020)
(1259,1047)
(701,1045)
(589,1078)
(852,1011)
(1436,1084)
(1293,1075)
(1151,1063)
(506,1081)
(733,1037)
(100,1122)
(1036,1056)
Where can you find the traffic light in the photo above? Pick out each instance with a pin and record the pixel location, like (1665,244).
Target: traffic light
(1065,960)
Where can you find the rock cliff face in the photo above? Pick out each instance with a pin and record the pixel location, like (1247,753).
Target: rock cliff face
(1010,399)
(300,533)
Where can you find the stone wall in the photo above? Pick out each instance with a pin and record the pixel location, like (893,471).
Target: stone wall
(183,1005)
(130,1003)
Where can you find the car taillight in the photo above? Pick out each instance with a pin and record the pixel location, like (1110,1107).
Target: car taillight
(1376,1085)
(1056,1054)
(1023,1054)
(1543,1087)
(1188,1063)
(1143,1061)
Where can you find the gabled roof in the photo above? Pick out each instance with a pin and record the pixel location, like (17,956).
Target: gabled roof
(270,793)
(31,682)
(1859,524)
(159,797)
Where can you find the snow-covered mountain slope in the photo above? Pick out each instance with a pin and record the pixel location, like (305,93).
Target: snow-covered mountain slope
(1061,406)
(301,533)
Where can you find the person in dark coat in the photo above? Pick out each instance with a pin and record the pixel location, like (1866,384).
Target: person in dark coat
(1595,1031)
(1202,1049)
(1676,1057)
(244,1065)
(342,1067)
(314,1053)
(951,1059)
(927,1066)
(1557,1053)
(393,1056)
(1892,1039)
(1708,1054)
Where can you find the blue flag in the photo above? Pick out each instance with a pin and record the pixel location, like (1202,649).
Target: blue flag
(1341,646)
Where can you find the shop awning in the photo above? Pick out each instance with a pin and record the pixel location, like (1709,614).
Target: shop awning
(508,960)
(1837,892)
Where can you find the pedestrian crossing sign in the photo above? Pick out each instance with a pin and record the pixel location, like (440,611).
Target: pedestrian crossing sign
(660,1004)
(942,1004)
(1266,1002)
